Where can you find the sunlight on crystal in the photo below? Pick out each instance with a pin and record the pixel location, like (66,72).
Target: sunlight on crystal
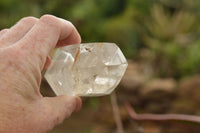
(90,91)
(59,83)
(90,69)
(101,81)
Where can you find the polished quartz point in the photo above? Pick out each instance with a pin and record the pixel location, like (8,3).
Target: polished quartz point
(88,69)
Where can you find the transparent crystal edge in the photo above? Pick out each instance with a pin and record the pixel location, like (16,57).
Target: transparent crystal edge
(91,94)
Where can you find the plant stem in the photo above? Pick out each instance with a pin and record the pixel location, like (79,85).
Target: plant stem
(116,113)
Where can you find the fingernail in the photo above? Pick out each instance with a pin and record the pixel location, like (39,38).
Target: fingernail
(78,104)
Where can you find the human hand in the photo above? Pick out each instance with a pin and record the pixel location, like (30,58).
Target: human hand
(24,50)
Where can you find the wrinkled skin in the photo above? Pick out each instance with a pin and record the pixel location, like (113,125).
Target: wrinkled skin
(24,50)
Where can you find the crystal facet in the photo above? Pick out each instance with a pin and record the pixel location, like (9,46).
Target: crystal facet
(88,69)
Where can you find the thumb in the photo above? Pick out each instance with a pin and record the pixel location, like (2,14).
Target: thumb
(55,109)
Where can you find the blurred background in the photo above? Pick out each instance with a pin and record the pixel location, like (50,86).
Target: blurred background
(160,39)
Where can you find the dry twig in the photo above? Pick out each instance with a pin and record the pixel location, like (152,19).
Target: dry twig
(116,113)
(161,117)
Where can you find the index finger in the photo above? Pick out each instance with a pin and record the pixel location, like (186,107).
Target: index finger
(47,32)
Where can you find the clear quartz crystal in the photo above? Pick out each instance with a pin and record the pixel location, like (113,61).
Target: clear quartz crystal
(88,69)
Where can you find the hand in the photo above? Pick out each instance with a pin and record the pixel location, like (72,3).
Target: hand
(24,50)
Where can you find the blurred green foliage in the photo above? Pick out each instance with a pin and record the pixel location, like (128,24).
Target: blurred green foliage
(168,30)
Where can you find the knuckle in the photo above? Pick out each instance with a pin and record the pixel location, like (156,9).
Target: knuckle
(68,23)
(49,19)
(71,24)
(3,30)
(28,20)
(47,16)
